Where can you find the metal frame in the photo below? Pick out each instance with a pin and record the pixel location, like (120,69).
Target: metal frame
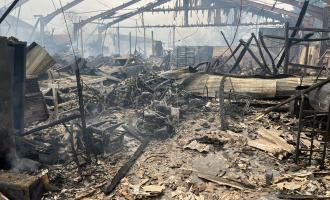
(290,41)
(303,118)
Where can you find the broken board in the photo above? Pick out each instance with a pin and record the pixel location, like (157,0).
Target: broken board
(269,140)
(17,186)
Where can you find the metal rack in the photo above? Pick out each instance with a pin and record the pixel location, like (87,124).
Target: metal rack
(309,118)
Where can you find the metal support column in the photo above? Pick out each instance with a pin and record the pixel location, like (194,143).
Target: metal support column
(130,43)
(144,37)
(144,42)
(152,43)
(287,49)
(42,31)
(173,38)
(118,39)
(186,12)
(81,42)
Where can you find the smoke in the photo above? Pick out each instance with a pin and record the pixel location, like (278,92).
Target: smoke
(24,165)
(12,162)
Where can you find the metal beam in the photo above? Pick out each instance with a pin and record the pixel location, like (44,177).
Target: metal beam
(258,5)
(312,9)
(266,7)
(11,7)
(20,3)
(225,5)
(186,12)
(51,16)
(108,13)
(202,25)
(136,12)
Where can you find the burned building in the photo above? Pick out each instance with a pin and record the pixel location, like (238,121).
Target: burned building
(139,100)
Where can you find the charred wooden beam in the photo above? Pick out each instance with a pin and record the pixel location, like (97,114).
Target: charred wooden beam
(108,188)
(228,45)
(262,41)
(265,66)
(243,52)
(232,55)
(52,124)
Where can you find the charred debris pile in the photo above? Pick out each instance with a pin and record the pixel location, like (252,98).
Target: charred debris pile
(129,128)
(246,124)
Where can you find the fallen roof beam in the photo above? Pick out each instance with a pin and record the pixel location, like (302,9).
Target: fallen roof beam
(51,124)
(138,11)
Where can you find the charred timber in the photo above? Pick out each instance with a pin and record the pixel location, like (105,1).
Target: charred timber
(54,123)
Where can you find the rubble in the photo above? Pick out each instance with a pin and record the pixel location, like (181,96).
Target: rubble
(271,142)
(20,186)
(242,123)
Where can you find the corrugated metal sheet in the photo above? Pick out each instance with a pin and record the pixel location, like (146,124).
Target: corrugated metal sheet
(38,61)
(203,84)
(208,85)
